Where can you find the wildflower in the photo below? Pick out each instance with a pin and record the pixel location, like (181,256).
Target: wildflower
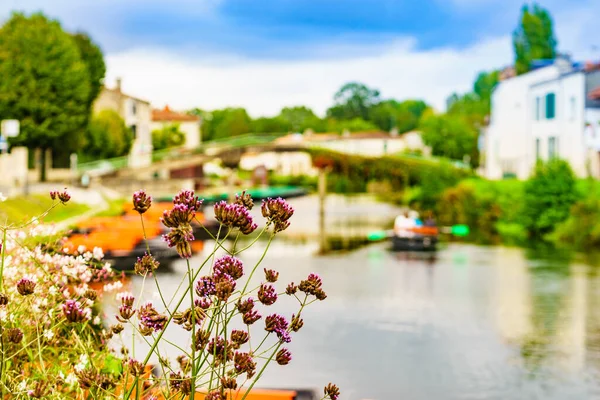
(267,294)
(312,285)
(271,275)
(244,200)
(73,311)
(188,199)
(25,286)
(229,383)
(277,212)
(243,363)
(48,334)
(71,379)
(145,330)
(39,391)
(234,216)
(181,233)
(150,318)
(238,338)
(145,265)
(86,377)
(251,317)
(141,201)
(175,380)
(278,324)
(63,196)
(217,347)
(245,306)
(201,339)
(205,286)
(90,294)
(117,328)
(187,318)
(126,299)
(229,265)
(98,253)
(283,357)
(224,287)
(204,303)
(13,335)
(3,299)
(296,323)
(332,391)
(135,367)
(291,289)
(184,363)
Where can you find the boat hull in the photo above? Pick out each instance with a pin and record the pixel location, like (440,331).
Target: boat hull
(417,243)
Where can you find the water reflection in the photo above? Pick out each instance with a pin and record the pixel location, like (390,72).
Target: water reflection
(468,322)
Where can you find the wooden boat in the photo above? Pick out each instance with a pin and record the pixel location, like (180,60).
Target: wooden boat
(419,238)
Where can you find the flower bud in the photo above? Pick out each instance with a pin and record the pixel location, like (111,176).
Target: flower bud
(271,275)
(25,286)
(283,357)
(14,335)
(141,201)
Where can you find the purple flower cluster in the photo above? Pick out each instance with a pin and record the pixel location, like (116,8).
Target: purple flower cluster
(179,219)
(244,200)
(63,196)
(313,286)
(145,265)
(74,312)
(267,294)
(283,357)
(278,324)
(25,286)
(219,349)
(189,199)
(243,362)
(277,212)
(152,319)
(251,317)
(224,286)
(235,216)
(141,201)
(205,286)
(228,265)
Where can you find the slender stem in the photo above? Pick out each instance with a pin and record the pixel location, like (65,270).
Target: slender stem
(261,371)
(262,257)
(144,232)
(193,308)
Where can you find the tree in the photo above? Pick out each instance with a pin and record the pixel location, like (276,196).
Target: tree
(353,100)
(43,83)
(167,136)
(93,58)
(270,125)
(107,136)
(301,118)
(404,116)
(548,197)
(534,38)
(351,125)
(450,136)
(484,86)
(225,123)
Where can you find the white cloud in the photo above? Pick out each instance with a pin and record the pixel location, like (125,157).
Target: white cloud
(263,87)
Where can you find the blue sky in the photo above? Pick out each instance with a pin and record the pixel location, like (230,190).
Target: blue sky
(265,54)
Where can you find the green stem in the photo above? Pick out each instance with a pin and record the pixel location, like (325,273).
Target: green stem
(193,308)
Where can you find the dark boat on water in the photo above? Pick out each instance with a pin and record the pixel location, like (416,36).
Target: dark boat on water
(416,239)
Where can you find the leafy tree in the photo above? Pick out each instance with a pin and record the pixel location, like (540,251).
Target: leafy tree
(404,116)
(353,100)
(93,58)
(470,107)
(300,118)
(484,86)
(167,136)
(548,197)
(450,136)
(225,123)
(352,125)
(107,136)
(270,125)
(43,83)
(534,38)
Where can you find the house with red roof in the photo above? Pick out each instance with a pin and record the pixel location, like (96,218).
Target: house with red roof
(190,125)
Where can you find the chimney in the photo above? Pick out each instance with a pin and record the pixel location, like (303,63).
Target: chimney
(118,88)
(394,132)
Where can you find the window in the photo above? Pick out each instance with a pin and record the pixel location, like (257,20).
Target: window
(552,147)
(538,107)
(134,131)
(133,107)
(550,106)
(572,106)
(537,149)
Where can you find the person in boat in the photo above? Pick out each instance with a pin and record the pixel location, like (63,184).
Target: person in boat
(403,225)
(430,221)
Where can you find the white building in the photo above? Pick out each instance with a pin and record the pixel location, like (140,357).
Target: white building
(188,124)
(550,111)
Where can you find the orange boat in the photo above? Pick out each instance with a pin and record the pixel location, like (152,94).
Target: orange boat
(122,237)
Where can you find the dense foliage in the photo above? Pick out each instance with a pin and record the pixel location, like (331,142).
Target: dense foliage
(534,38)
(168,136)
(45,84)
(450,136)
(107,136)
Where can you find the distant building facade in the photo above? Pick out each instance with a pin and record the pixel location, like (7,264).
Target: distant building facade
(137,115)
(551,111)
(190,125)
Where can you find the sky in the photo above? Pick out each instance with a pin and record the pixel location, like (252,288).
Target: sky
(267,54)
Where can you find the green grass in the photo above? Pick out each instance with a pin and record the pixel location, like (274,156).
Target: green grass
(115,208)
(23,208)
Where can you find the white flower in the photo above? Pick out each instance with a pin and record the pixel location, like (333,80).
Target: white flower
(109,287)
(53,290)
(48,334)
(97,320)
(81,249)
(2,197)
(71,379)
(2,315)
(23,385)
(98,253)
